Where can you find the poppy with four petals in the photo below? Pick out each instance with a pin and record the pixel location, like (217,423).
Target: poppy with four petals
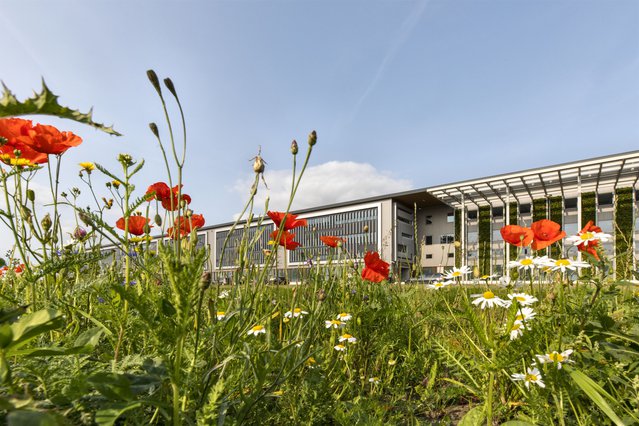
(287,221)
(286,239)
(332,241)
(375,269)
(517,235)
(136,224)
(185,225)
(546,232)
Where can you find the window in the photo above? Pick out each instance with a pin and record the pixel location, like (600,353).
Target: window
(604,199)
(401,248)
(447,239)
(403,219)
(450,217)
(429,256)
(429,240)
(407,236)
(498,211)
(524,208)
(472,237)
(451,254)
(570,203)
(472,214)
(429,220)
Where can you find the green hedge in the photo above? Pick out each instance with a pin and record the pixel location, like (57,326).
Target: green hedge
(458,237)
(623,233)
(588,207)
(539,209)
(556,207)
(484,239)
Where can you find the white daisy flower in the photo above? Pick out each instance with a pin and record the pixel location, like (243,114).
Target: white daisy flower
(532,376)
(220,315)
(525,314)
(487,299)
(374,380)
(556,357)
(525,263)
(588,237)
(517,330)
(344,316)
(340,348)
(439,284)
(223,294)
(257,329)
(295,313)
(563,264)
(504,281)
(348,338)
(457,272)
(523,299)
(334,323)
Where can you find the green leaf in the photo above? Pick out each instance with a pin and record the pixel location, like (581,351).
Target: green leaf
(89,339)
(596,394)
(517,423)
(31,325)
(46,103)
(33,418)
(475,417)
(108,416)
(111,385)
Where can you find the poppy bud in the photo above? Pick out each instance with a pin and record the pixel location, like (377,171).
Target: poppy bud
(158,220)
(3,141)
(476,272)
(188,213)
(25,213)
(169,85)
(205,281)
(154,129)
(46,222)
(147,229)
(108,184)
(315,229)
(85,218)
(321,295)
(294,147)
(514,275)
(153,78)
(30,195)
(312,138)
(365,229)
(258,165)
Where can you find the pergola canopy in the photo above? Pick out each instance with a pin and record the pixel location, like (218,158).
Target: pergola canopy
(602,174)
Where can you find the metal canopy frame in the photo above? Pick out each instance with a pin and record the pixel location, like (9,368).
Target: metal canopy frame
(597,174)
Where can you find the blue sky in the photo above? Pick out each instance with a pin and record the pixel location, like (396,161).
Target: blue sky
(403,94)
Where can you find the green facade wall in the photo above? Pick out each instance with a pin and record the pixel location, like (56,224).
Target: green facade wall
(484,239)
(539,209)
(623,232)
(458,237)
(556,207)
(588,207)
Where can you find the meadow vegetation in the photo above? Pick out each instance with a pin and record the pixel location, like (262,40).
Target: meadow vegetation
(148,338)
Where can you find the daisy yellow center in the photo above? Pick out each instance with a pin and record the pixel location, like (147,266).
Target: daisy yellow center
(516,327)
(555,357)
(527,262)
(343,315)
(562,262)
(341,346)
(258,328)
(520,298)
(439,284)
(489,295)
(335,322)
(456,274)
(220,313)
(586,236)
(297,311)
(346,336)
(531,377)
(519,317)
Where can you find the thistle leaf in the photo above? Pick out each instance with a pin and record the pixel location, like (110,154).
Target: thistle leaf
(46,103)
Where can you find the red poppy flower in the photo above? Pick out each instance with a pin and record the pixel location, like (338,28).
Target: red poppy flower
(287,221)
(48,139)
(332,241)
(286,239)
(375,269)
(136,224)
(591,247)
(517,235)
(185,225)
(18,269)
(546,232)
(167,196)
(11,130)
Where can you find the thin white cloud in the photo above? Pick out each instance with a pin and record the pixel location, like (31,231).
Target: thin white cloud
(327,183)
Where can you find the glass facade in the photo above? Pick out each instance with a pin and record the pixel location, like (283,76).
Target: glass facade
(257,237)
(349,225)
